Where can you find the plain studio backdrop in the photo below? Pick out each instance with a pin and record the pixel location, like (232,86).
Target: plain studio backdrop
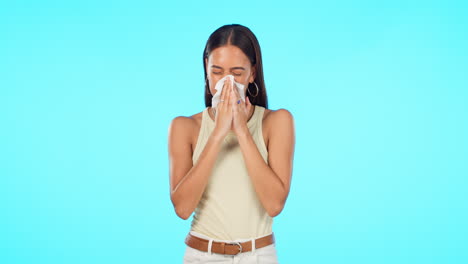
(378,92)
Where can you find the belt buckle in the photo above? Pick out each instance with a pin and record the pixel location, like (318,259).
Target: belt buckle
(239,245)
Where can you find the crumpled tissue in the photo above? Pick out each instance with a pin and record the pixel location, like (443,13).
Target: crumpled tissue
(219,88)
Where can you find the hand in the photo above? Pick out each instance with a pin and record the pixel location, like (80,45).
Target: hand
(224,113)
(241,112)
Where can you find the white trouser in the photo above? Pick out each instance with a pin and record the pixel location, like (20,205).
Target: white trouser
(264,255)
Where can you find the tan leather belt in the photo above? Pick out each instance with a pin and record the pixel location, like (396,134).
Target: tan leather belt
(233,248)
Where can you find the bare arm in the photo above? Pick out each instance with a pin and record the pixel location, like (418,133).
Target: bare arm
(188,180)
(272,181)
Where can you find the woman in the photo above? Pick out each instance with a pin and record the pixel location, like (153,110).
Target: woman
(231,164)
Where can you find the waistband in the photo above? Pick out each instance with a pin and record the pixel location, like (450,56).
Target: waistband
(200,235)
(228,247)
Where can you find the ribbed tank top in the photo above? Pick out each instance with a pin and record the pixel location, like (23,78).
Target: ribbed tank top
(229,208)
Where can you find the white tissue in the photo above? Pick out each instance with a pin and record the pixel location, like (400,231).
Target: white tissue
(219,89)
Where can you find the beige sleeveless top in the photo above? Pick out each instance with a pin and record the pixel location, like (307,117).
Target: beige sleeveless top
(229,208)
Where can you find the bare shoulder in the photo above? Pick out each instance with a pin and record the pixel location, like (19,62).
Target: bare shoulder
(185,127)
(277,123)
(275,118)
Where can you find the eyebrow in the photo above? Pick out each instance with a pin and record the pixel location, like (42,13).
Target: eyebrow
(233,68)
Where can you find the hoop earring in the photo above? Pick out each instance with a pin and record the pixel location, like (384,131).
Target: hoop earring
(256,86)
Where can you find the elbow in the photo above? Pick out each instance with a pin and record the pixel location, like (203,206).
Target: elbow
(184,214)
(275,209)
(180,210)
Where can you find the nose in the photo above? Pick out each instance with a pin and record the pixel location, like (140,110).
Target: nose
(232,77)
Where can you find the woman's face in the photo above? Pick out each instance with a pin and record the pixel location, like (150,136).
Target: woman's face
(227,60)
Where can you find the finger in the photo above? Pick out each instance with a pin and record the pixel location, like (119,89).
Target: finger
(235,106)
(233,95)
(238,100)
(224,93)
(236,92)
(229,99)
(228,92)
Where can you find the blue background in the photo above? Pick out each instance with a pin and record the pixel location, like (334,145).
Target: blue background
(378,91)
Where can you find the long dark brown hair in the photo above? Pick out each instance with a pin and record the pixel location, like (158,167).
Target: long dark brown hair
(243,38)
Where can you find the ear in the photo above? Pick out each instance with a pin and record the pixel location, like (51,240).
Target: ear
(253,74)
